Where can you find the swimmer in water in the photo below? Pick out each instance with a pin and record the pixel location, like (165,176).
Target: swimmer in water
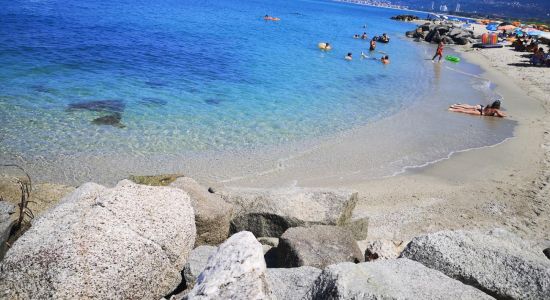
(364,36)
(385,60)
(348,57)
(372,45)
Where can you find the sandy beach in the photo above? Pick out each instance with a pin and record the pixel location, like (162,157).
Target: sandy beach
(498,186)
(501,186)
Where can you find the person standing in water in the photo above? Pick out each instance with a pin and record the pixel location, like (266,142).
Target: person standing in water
(372,45)
(348,57)
(439,51)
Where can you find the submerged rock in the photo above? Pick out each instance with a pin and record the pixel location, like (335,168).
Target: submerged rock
(114,106)
(498,263)
(152,102)
(317,246)
(236,271)
(128,242)
(212,213)
(111,120)
(212,101)
(293,283)
(389,279)
(269,213)
(155,180)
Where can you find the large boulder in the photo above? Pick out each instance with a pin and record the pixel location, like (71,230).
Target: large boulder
(236,271)
(196,263)
(498,263)
(317,246)
(461,40)
(212,213)
(7,220)
(292,283)
(130,241)
(269,213)
(389,279)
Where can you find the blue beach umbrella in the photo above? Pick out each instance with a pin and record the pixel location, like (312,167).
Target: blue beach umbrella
(492,27)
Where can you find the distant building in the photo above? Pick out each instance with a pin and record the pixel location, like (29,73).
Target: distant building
(457,9)
(443,8)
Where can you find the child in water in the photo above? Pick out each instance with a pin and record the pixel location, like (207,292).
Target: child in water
(439,51)
(348,57)
(385,60)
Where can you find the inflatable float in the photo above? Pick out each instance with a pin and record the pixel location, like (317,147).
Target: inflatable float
(324,46)
(487,46)
(452,58)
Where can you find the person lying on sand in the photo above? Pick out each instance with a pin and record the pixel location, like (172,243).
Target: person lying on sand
(492,110)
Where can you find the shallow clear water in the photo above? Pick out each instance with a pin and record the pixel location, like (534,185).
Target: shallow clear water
(180,77)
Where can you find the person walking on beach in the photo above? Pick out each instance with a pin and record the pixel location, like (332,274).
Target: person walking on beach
(439,51)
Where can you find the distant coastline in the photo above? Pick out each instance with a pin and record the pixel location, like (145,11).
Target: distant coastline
(463,15)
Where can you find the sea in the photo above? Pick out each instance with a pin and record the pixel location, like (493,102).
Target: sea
(99,90)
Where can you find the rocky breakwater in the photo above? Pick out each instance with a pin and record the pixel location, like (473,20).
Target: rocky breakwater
(406,18)
(128,242)
(134,242)
(447,33)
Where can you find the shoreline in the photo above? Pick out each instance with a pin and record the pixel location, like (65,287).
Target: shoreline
(499,186)
(483,187)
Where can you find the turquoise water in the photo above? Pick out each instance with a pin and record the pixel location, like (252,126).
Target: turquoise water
(175,77)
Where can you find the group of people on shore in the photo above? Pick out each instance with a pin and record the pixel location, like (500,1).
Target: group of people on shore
(526,44)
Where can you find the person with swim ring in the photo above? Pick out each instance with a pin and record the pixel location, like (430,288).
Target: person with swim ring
(439,51)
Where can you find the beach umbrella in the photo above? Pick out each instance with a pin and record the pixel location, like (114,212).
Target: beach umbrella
(531,31)
(491,27)
(544,35)
(507,27)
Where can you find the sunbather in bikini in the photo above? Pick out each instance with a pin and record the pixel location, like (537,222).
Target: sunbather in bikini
(492,110)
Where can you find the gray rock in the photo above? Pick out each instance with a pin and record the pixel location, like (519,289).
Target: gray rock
(236,271)
(270,213)
(7,220)
(498,263)
(454,32)
(196,263)
(269,241)
(383,249)
(212,213)
(293,283)
(317,246)
(358,226)
(389,279)
(461,40)
(130,241)
(447,40)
